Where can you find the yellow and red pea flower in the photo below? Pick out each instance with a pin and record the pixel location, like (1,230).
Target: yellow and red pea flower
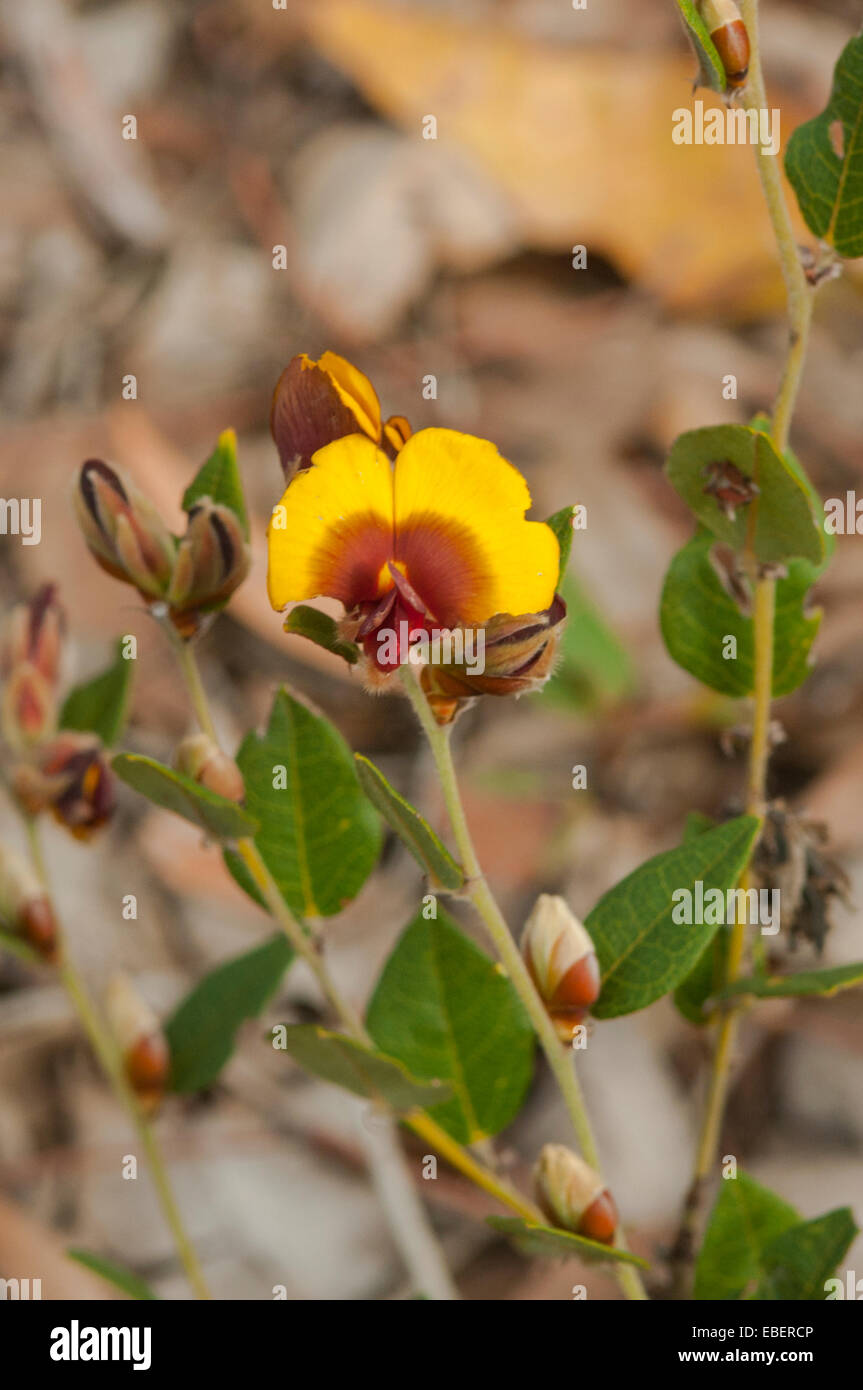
(437,539)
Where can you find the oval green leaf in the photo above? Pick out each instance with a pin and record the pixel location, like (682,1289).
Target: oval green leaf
(99,706)
(745,1218)
(445,1010)
(357,1068)
(819,982)
(319,836)
(824,159)
(643,952)
(219,479)
(548,1243)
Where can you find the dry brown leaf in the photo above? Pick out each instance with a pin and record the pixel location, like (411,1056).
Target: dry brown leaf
(574,137)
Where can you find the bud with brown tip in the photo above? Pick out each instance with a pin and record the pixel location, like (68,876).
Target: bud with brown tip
(562,962)
(70,777)
(123,529)
(212,561)
(30,665)
(573,1196)
(202,760)
(142,1043)
(25,908)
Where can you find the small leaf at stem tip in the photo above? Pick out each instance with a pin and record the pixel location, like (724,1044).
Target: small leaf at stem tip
(711,70)
(427,848)
(216,816)
(323,630)
(99,706)
(532,1239)
(336,1058)
(561,525)
(219,479)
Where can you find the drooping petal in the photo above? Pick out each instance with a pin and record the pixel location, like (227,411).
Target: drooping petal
(332,532)
(461,533)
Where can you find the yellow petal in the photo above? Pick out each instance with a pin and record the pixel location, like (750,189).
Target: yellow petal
(332,532)
(356,391)
(461,532)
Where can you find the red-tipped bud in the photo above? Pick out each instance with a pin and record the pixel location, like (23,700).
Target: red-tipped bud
(202,760)
(144,1048)
(573,1196)
(212,561)
(562,962)
(25,908)
(123,529)
(70,777)
(728,32)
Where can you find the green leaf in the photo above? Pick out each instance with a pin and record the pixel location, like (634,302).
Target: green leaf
(202,1031)
(745,1218)
(549,1243)
(561,525)
(114,1274)
(98,706)
(798,1263)
(701,982)
(219,479)
(595,670)
(822,982)
(711,70)
(360,1069)
(426,847)
(446,1011)
(216,815)
(697,613)
(321,629)
(786,525)
(319,836)
(829,184)
(643,953)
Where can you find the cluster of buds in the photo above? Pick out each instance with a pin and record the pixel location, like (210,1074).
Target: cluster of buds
(63,772)
(202,760)
(142,1043)
(573,1196)
(25,908)
(192,577)
(562,963)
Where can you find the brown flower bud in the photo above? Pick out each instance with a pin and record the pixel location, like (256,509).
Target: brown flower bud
(29,662)
(202,760)
(573,1196)
(142,1043)
(562,962)
(518,656)
(212,561)
(71,778)
(25,908)
(315,403)
(123,529)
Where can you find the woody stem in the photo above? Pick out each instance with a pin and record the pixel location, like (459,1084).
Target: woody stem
(485,904)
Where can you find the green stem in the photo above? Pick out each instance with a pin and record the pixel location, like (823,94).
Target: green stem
(421,1123)
(108,1054)
(800,303)
(485,904)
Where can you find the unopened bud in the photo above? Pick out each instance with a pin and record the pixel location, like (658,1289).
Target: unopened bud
(562,962)
(25,908)
(315,403)
(573,1196)
(29,664)
(142,1043)
(202,760)
(123,529)
(212,561)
